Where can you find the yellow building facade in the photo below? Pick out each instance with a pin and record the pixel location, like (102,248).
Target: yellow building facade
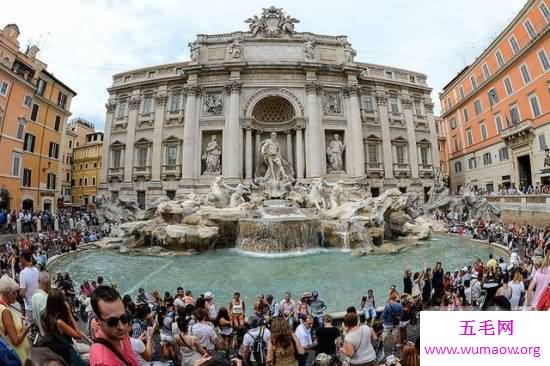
(34,107)
(86,170)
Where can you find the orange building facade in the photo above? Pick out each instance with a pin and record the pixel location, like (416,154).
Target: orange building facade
(495,122)
(34,110)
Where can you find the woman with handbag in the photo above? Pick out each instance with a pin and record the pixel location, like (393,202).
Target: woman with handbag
(358,342)
(283,348)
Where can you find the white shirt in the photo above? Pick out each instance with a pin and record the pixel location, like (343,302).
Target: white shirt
(179,303)
(28,279)
(304,336)
(205,333)
(248,339)
(138,347)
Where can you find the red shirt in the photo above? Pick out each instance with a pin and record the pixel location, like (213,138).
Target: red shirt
(102,356)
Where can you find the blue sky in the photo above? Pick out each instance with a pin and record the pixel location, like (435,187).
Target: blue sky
(85,42)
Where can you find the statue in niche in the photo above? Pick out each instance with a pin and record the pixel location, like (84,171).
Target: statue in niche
(335,152)
(333,104)
(271,152)
(213,103)
(212,157)
(308,51)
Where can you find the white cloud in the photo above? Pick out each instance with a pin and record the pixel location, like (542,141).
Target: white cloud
(85,42)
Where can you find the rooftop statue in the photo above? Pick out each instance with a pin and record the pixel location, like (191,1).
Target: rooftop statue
(272,22)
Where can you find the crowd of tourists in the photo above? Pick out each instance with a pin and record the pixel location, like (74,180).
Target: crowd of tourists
(27,221)
(512,190)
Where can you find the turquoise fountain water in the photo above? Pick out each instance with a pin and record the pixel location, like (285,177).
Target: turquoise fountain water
(340,278)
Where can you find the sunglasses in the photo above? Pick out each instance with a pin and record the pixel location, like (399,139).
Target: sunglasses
(113,321)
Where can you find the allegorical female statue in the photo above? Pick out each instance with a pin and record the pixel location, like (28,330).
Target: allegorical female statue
(212,156)
(335,151)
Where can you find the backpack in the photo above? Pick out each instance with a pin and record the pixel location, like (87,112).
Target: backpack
(259,348)
(8,356)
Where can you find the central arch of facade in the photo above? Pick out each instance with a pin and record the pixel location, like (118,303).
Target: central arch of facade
(279,111)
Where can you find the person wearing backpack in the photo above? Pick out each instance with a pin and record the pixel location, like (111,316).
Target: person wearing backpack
(255,341)
(12,329)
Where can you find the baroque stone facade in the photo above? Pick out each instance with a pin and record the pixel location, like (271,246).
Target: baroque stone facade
(170,129)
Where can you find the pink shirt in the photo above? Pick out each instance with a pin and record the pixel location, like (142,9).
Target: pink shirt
(102,356)
(542,279)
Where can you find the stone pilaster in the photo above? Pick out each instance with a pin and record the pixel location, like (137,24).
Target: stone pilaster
(133,105)
(190,130)
(406,102)
(355,135)
(314,131)
(429,109)
(161,98)
(382,105)
(248,153)
(110,106)
(299,153)
(232,135)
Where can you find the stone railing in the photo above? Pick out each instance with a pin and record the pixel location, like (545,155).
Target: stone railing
(171,171)
(533,202)
(401,170)
(142,172)
(116,173)
(375,169)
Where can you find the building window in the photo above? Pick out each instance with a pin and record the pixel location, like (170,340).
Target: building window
(68,177)
(141,199)
(469,137)
(455,144)
(545,12)
(142,156)
(487,159)
(53,151)
(473,80)
(452,123)
(525,74)
(472,163)
(117,155)
(458,166)
(535,108)
(4,86)
(424,154)
(57,123)
(80,182)
(27,173)
(493,97)
(508,86)
(122,109)
(93,181)
(151,74)
(27,101)
(85,181)
(368,105)
(41,88)
(372,153)
(147,104)
(477,106)
(542,142)
(412,78)
(483,130)
(171,194)
(394,103)
(529,26)
(20,130)
(175,102)
(461,91)
(465,113)
(486,72)
(544,60)
(498,123)
(34,112)
(389,74)
(51,181)
(61,100)
(499,58)
(514,44)
(28,145)
(15,164)
(417,108)
(171,155)
(503,153)
(400,154)
(514,113)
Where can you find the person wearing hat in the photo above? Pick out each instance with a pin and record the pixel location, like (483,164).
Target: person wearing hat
(12,327)
(210,306)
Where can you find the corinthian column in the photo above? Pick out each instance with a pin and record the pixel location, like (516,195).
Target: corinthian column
(411,135)
(232,135)
(131,136)
(190,127)
(248,153)
(106,160)
(161,99)
(355,136)
(429,108)
(299,153)
(314,132)
(382,105)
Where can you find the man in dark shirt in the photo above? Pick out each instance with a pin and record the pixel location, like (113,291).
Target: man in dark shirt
(407,282)
(326,337)
(437,279)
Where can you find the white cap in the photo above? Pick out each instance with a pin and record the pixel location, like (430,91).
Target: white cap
(465,269)
(208,295)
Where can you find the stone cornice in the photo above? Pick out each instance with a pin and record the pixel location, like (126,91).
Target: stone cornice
(191,90)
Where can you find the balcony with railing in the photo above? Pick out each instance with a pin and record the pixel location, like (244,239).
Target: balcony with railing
(171,171)
(375,169)
(425,170)
(116,174)
(401,170)
(142,172)
(518,132)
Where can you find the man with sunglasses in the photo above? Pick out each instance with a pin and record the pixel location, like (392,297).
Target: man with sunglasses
(112,346)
